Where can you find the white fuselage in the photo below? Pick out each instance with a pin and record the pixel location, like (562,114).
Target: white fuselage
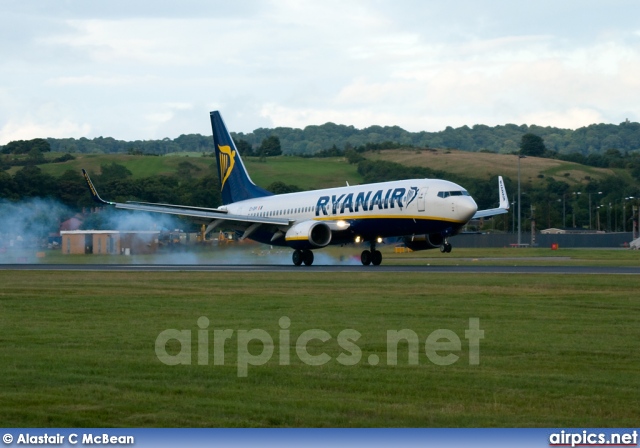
(383,209)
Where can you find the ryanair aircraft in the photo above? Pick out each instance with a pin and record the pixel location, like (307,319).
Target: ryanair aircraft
(424,213)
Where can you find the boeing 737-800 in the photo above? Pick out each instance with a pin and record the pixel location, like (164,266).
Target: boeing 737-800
(423,212)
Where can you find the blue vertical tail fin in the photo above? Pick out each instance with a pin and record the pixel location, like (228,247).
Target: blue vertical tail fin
(235,183)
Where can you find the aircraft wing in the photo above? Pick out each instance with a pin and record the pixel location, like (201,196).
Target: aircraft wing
(217,216)
(502,208)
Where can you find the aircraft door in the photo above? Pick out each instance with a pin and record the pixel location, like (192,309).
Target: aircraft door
(422,199)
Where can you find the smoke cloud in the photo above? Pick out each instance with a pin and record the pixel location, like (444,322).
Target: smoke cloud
(124,220)
(30,220)
(30,226)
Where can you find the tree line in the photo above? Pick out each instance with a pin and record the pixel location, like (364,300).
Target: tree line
(589,140)
(186,188)
(269,147)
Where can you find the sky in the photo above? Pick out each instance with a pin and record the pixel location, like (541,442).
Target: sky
(142,69)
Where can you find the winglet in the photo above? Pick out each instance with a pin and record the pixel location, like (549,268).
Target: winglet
(504,203)
(504,200)
(94,193)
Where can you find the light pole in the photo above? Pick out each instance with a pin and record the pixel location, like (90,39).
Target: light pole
(575,202)
(598,217)
(634,221)
(599,192)
(624,213)
(513,219)
(533,225)
(519,201)
(564,210)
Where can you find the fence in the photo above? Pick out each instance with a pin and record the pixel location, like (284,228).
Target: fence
(610,240)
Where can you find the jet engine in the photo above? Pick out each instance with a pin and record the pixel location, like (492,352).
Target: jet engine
(308,235)
(424,242)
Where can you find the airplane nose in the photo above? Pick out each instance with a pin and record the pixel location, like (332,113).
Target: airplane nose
(466,207)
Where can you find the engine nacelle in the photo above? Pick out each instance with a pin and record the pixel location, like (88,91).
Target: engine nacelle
(308,235)
(424,242)
(435,240)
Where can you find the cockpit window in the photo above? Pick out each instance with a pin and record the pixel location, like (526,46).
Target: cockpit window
(446,194)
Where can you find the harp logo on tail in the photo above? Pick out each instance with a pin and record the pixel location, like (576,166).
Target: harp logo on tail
(227,160)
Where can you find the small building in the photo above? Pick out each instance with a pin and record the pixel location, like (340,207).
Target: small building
(109,242)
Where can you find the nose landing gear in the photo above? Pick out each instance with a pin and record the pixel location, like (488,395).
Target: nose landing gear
(446,247)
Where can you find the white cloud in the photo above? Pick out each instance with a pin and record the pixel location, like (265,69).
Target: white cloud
(422,65)
(30,129)
(572,118)
(300,118)
(91,80)
(164,114)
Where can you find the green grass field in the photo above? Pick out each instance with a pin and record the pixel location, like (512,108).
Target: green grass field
(330,172)
(305,173)
(140,166)
(78,349)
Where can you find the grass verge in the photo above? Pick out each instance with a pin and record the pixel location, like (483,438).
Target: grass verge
(78,350)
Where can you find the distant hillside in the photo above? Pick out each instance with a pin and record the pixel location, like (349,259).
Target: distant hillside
(593,139)
(140,166)
(554,187)
(335,171)
(534,170)
(304,173)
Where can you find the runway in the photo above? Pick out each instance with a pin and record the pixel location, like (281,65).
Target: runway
(544,270)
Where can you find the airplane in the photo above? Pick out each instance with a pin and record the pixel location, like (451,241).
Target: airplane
(423,213)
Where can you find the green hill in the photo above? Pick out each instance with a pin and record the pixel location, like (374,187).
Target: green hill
(312,173)
(484,166)
(140,166)
(304,172)
(190,179)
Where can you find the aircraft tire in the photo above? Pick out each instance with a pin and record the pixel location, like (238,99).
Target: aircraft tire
(443,248)
(307,257)
(297,257)
(448,248)
(365,257)
(376,258)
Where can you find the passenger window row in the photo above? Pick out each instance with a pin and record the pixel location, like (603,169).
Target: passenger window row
(289,211)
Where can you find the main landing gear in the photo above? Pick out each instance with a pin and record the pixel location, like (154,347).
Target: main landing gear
(302,256)
(446,247)
(372,256)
